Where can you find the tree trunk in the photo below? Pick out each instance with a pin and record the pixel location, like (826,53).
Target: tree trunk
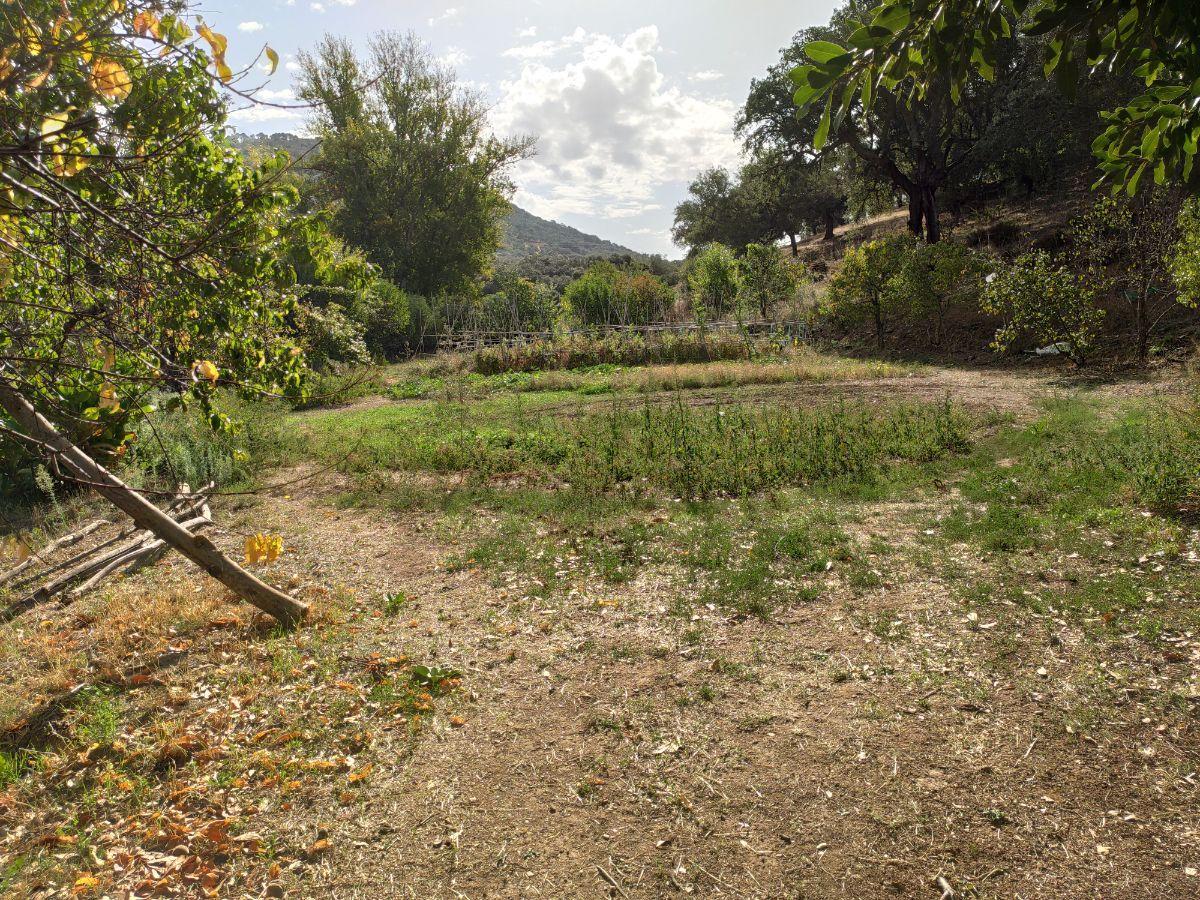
(795,246)
(146,515)
(1143,328)
(915,212)
(830,224)
(929,209)
(878,310)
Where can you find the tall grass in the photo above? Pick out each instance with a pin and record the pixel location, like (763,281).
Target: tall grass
(697,453)
(792,365)
(682,450)
(580,351)
(178,445)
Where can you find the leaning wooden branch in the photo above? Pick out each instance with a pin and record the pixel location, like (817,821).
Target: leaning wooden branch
(145,514)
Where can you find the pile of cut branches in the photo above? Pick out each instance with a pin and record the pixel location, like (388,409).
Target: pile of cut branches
(106,549)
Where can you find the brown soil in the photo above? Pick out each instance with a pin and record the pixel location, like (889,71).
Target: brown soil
(860,745)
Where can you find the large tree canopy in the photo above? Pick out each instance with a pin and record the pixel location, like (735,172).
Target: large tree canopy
(927,52)
(414,175)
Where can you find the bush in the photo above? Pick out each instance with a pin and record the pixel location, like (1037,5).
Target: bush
(329,336)
(385,313)
(933,278)
(1184,262)
(866,285)
(177,445)
(606,295)
(714,281)
(591,298)
(1040,299)
(767,278)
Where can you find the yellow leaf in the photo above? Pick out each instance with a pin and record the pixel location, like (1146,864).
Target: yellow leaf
(223,71)
(361,774)
(218,42)
(263,548)
(108,398)
(85,884)
(146,23)
(54,123)
(109,79)
(274,58)
(206,370)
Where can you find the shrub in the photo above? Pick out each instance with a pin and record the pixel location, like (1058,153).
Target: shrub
(579,352)
(177,445)
(329,336)
(1184,262)
(714,281)
(519,305)
(385,313)
(1041,299)
(866,284)
(767,278)
(606,295)
(644,297)
(1125,246)
(591,298)
(936,277)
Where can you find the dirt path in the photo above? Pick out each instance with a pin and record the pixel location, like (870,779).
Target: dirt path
(861,745)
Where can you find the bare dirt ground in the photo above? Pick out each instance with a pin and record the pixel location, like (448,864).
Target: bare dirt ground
(864,744)
(858,746)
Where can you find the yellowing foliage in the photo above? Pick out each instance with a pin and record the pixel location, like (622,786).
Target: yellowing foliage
(207,371)
(109,79)
(263,548)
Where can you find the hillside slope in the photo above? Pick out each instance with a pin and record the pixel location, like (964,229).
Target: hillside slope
(528,235)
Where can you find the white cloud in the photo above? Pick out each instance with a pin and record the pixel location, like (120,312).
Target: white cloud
(252,118)
(345,2)
(545,49)
(454,57)
(317,7)
(449,15)
(611,129)
(250,27)
(706,75)
(530,32)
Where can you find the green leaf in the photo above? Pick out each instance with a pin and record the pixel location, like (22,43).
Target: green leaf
(1150,142)
(1132,186)
(822,134)
(822,52)
(893,17)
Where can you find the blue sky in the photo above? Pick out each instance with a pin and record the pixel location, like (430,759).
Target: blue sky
(629,100)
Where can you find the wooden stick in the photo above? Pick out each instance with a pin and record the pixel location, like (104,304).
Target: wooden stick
(65,541)
(197,548)
(137,557)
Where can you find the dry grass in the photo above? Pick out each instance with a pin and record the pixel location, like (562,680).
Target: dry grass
(802,365)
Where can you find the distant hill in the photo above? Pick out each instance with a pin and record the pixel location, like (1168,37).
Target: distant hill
(525,235)
(294,144)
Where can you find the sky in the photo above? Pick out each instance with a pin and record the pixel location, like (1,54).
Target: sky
(629,100)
